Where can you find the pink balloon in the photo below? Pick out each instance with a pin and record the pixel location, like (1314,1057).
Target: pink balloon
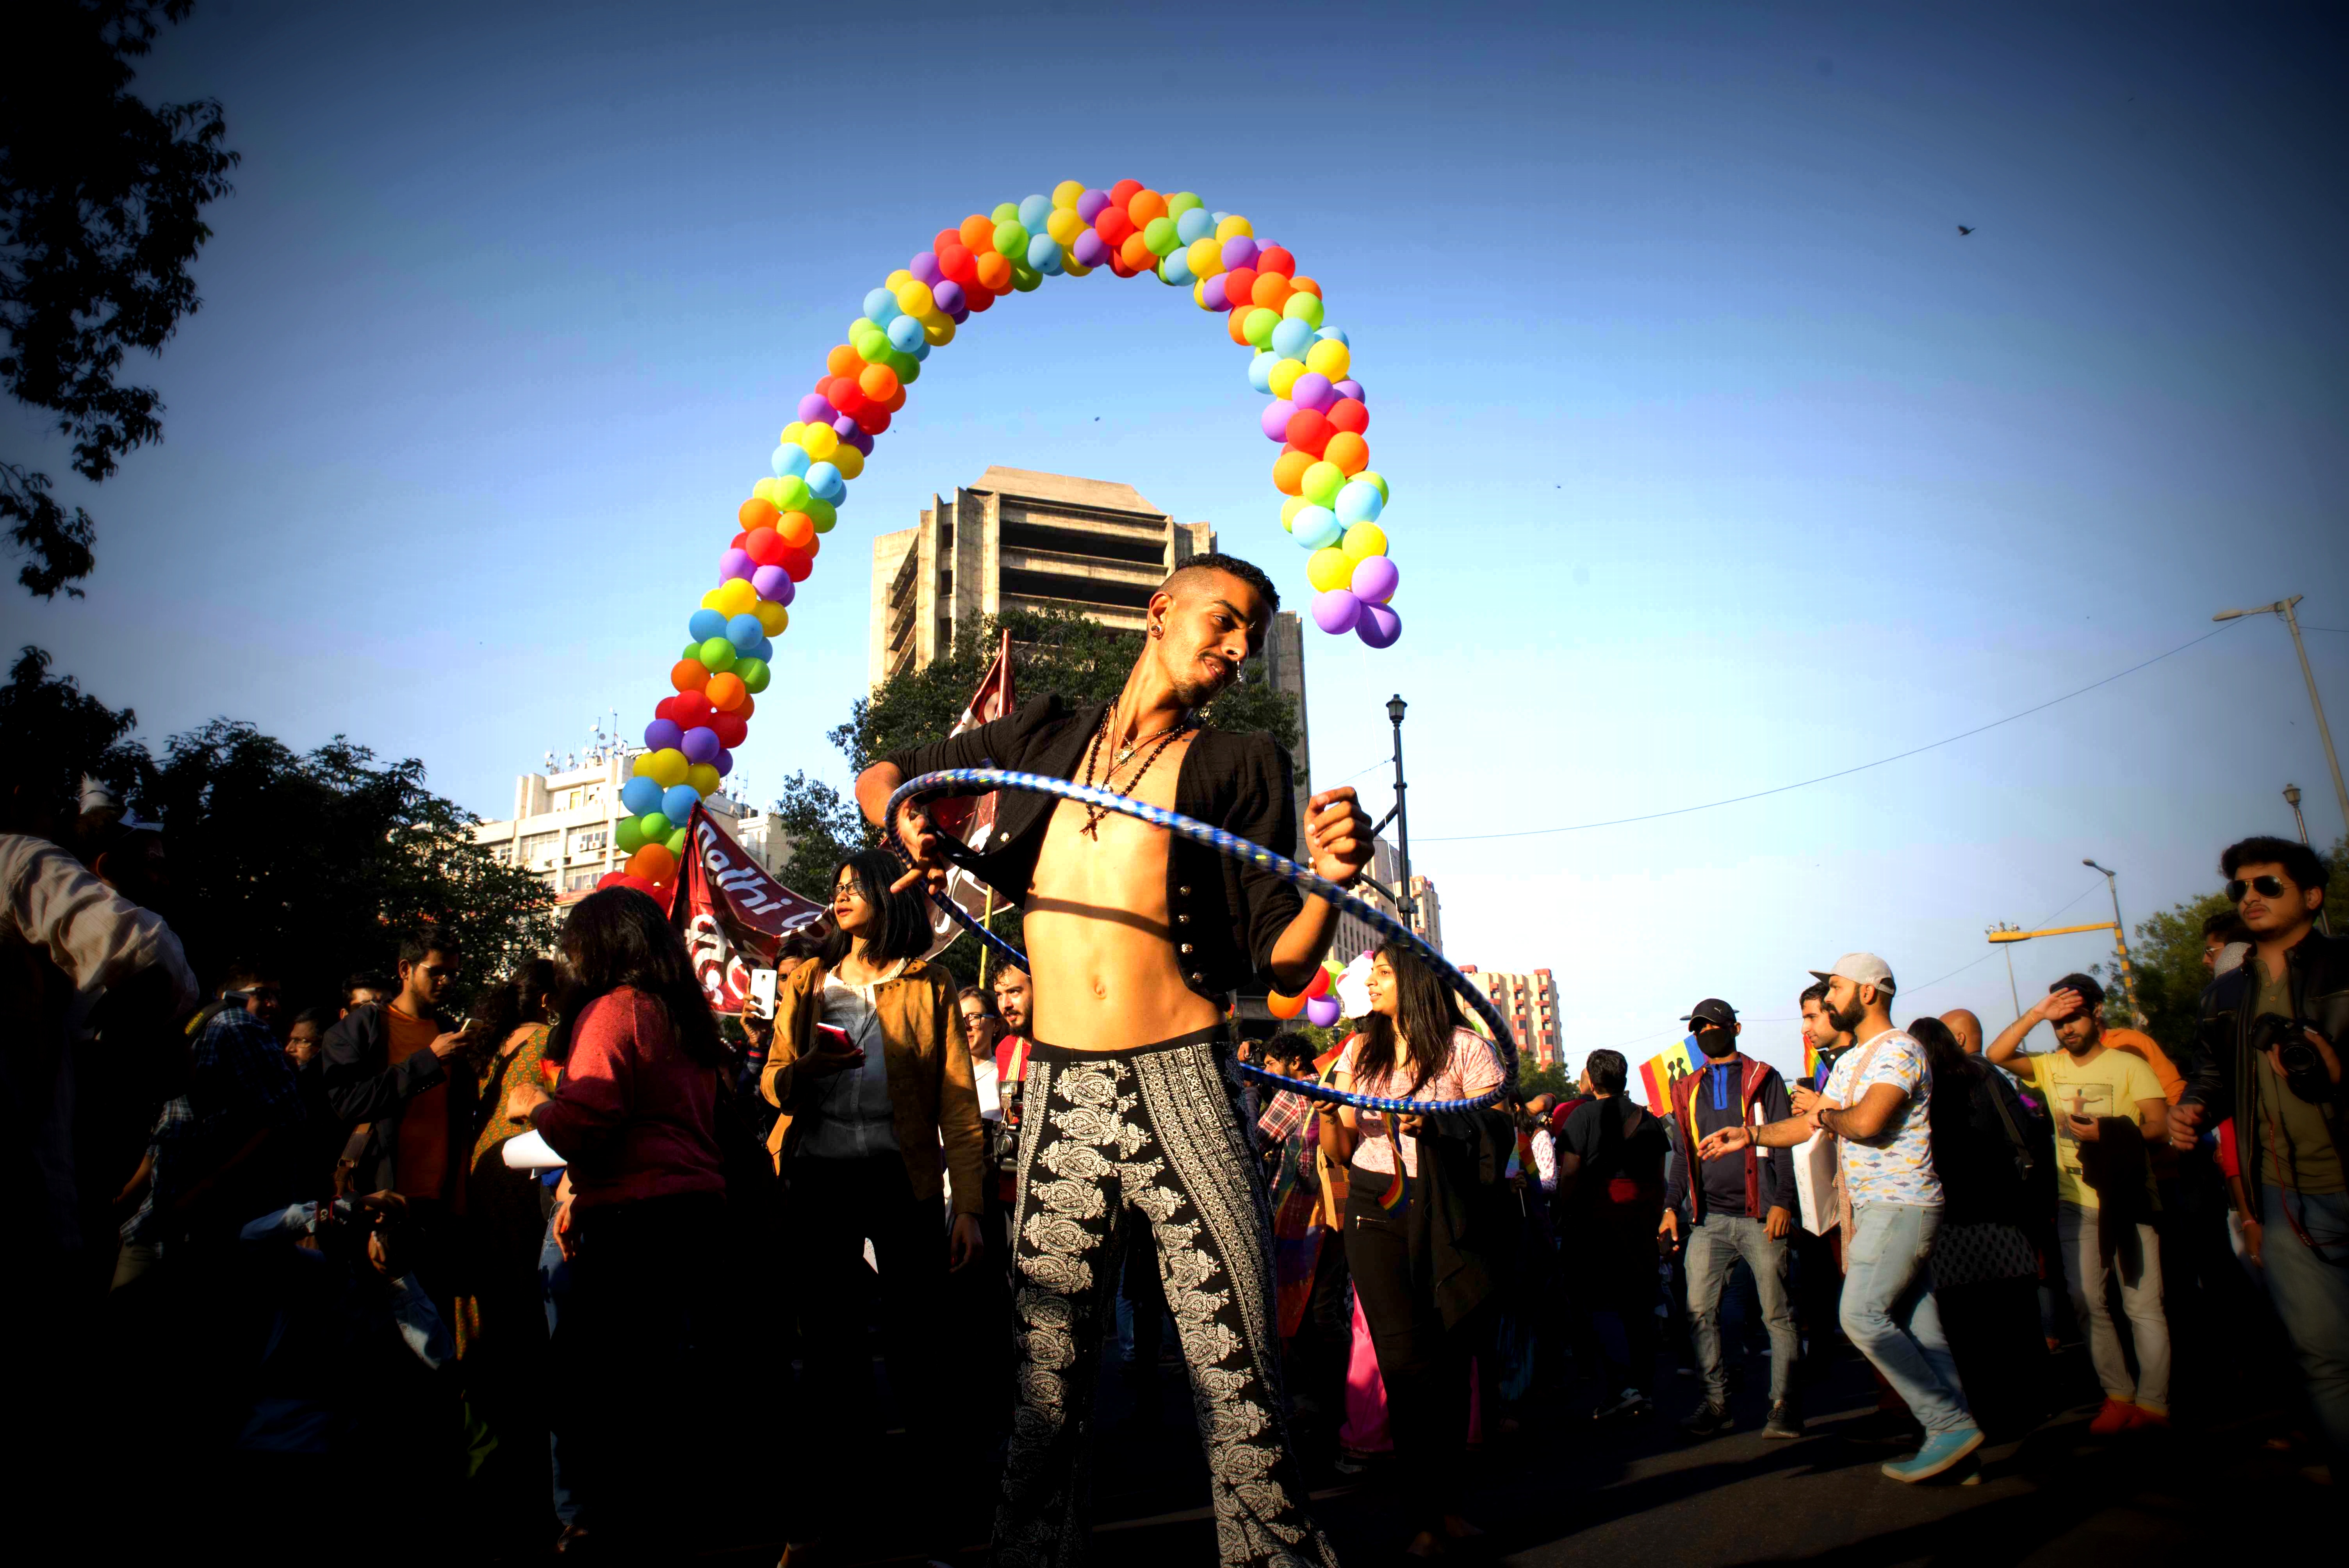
(1378,626)
(771,583)
(1374,579)
(1315,391)
(735,564)
(925,267)
(1276,415)
(1337,611)
(1212,293)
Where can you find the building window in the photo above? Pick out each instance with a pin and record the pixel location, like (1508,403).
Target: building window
(537,846)
(583,879)
(593,839)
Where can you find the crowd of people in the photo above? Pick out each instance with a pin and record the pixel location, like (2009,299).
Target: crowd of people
(539,1278)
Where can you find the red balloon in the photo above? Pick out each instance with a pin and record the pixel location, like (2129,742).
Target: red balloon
(956,262)
(693,710)
(1113,225)
(872,419)
(1348,414)
(1118,265)
(1309,431)
(762,546)
(732,728)
(1237,285)
(1122,191)
(747,706)
(941,240)
(796,562)
(1276,259)
(742,540)
(846,396)
(978,296)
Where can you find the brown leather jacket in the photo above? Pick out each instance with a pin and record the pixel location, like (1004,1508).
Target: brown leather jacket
(931,1096)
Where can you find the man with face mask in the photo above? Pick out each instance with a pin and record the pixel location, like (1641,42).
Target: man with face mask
(1744,1204)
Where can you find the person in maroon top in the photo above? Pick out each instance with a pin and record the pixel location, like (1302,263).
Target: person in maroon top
(635,1117)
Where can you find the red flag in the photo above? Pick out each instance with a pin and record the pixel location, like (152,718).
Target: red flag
(732,913)
(971,818)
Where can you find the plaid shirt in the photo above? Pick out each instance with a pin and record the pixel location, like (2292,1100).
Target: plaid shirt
(239,1083)
(1284,1116)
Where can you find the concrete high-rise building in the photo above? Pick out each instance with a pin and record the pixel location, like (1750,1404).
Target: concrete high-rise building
(1427,913)
(1530,1003)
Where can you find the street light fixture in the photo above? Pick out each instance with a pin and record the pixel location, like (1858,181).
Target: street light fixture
(2120,943)
(2331,759)
(2292,799)
(1404,903)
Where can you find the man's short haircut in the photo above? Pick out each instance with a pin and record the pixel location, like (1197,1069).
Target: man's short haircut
(419,946)
(1814,991)
(319,1018)
(2227,926)
(1608,1071)
(2304,865)
(1288,1046)
(1006,973)
(2085,984)
(247,975)
(368,980)
(1248,571)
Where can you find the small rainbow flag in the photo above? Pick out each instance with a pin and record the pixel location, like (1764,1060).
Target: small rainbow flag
(1660,1071)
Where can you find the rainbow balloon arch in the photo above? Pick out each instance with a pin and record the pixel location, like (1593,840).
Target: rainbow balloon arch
(1317,414)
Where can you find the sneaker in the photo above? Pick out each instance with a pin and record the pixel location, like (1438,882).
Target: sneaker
(1630,1403)
(1710,1422)
(1784,1423)
(2117,1416)
(2144,1418)
(1941,1450)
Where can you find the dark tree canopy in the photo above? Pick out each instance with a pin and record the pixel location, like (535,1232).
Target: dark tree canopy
(53,733)
(101,196)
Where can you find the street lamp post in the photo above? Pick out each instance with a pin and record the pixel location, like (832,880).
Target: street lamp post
(1404,903)
(2011,989)
(2120,943)
(2292,799)
(2283,607)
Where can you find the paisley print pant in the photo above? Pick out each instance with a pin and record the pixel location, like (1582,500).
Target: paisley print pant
(1141,1147)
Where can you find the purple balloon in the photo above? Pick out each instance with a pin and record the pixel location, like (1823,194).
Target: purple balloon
(783,594)
(661,734)
(701,743)
(1321,1011)
(1378,626)
(925,267)
(843,426)
(1314,390)
(816,408)
(770,582)
(1214,296)
(960,314)
(1351,388)
(1336,611)
(1239,251)
(735,564)
(1090,249)
(725,762)
(1374,579)
(1090,204)
(947,292)
(1275,421)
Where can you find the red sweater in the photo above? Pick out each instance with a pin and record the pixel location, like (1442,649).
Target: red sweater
(635,1115)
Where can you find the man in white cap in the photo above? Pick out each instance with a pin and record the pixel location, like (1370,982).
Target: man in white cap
(1876,1103)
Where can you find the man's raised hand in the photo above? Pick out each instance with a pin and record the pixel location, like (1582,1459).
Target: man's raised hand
(1338,841)
(920,842)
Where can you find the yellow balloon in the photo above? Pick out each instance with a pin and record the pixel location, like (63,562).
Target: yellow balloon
(849,462)
(1329,568)
(1373,476)
(737,597)
(1064,225)
(897,279)
(782,623)
(1232,227)
(709,600)
(769,489)
(1363,541)
(1289,511)
(1206,258)
(819,441)
(669,767)
(1329,357)
(642,767)
(1065,195)
(1071,265)
(772,616)
(914,297)
(1321,484)
(937,330)
(1199,293)
(703,778)
(791,432)
(1285,375)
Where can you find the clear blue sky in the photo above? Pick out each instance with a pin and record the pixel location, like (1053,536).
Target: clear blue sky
(1719,459)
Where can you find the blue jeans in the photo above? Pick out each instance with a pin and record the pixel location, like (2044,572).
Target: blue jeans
(554,1284)
(1714,1248)
(1888,1311)
(2311,1296)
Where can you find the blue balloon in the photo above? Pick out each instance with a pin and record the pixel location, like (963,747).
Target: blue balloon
(881,307)
(920,351)
(1033,211)
(825,480)
(640,795)
(906,334)
(1291,339)
(1315,528)
(744,631)
(1335,334)
(791,458)
(1260,369)
(704,626)
(1176,267)
(1043,252)
(677,801)
(1194,225)
(1360,502)
(765,650)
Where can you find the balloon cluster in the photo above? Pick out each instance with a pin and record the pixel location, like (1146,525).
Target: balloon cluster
(1317,414)
(1319,1001)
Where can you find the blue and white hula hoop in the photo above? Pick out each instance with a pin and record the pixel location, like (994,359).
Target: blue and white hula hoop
(979,780)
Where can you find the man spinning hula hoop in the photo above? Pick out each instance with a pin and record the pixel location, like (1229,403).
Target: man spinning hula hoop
(1135,939)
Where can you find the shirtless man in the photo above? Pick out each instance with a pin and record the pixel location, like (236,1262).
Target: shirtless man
(1135,940)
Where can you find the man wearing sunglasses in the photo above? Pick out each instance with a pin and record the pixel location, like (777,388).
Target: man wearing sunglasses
(2270,1063)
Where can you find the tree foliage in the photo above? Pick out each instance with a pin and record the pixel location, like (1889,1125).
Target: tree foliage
(101,196)
(53,733)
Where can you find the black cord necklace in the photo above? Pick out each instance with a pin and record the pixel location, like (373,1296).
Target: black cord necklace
(1158,743)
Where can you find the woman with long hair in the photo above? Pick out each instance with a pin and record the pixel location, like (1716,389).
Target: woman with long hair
(871,1073)
(635,1117)
(1415,1045)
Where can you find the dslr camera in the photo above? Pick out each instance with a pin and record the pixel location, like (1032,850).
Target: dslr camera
(2296,1059)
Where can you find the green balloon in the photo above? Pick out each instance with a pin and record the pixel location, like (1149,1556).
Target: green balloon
(820,512)
(1160,236)
(628,836)
(652,828)
(676,842)
(1011,238)
(753,674)
(1025,278)
(716,653)
(692,651)
(908,369)
(869,341)
(1006,213)
(1182,202)
(792,493)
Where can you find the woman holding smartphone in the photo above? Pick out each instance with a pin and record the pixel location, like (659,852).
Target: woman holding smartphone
(871,1073)
(1415,1045)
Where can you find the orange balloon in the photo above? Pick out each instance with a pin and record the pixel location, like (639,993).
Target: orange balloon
(1288,471)
(1144,205)
(1306,285)
(978,234)
(724,691)
(814,547)
(1135,254)
(756,513)
(895,400)
(879,382)
(1270,290)
(797,528)
(748,705)
(1234,326)
(1349,451)
(843,360)
(995,272)
(1281,1006)
(688,674)
(654,864)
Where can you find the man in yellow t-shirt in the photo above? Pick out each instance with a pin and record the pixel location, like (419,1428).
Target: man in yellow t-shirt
(2092,1085)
